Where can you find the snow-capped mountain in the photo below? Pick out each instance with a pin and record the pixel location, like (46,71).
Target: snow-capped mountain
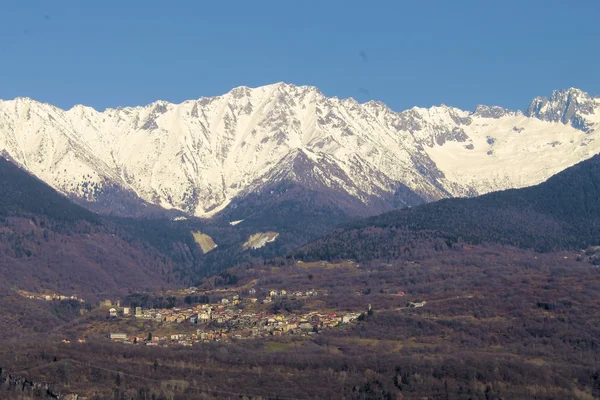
(572,106)
(201,156)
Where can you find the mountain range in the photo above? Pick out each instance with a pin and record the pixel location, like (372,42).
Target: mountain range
(49,242)
(236,155)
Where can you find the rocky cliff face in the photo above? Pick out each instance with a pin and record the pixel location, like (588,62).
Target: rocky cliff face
(201,156)
(32,389)
(571,107)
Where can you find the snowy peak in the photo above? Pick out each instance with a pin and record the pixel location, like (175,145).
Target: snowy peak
(201,155)
(570,106)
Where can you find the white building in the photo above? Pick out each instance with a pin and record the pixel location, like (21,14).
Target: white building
(203,317)
(118,336)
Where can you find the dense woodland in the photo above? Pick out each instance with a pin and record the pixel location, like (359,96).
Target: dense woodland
(47,242)
(561,213)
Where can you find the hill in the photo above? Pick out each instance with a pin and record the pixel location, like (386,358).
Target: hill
(484,328)
(441,324)
(561,213)
(47,243)
(22,193)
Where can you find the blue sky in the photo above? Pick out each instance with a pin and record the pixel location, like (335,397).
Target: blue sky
(404,53)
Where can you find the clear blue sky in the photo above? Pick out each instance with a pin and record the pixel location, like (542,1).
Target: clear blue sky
(108,53)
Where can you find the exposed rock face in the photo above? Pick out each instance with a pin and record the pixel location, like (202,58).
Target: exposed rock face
(27,387)
(493,112)
(260,239)
(571,106)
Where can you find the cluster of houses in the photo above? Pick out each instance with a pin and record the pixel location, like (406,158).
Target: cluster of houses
(200,313)
(79,340)
(221,325)
(225,320)
(272,294)
(48,297)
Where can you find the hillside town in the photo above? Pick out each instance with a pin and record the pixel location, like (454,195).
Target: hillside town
(227,319)
(49,296)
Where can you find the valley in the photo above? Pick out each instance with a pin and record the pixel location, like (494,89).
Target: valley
(291,200)
(504,312)
(489,297)
(286,293)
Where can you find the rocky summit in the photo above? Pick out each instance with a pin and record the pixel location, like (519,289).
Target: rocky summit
(203,157)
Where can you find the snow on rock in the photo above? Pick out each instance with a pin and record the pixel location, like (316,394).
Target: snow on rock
(199,155)
(571,106)
(259,240)
(205,242)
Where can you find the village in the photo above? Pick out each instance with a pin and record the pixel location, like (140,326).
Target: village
(48,297)
(231,318)
(227,316)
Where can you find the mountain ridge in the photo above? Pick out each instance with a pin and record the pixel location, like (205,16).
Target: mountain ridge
(197,157)
(48,242)
(562,213)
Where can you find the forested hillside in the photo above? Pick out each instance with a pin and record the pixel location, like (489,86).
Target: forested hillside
(23,193)
(561,213)
(49,243)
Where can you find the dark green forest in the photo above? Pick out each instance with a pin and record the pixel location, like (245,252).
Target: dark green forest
(561,213)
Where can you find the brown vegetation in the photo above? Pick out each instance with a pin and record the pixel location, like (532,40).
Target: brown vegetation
(498,323)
